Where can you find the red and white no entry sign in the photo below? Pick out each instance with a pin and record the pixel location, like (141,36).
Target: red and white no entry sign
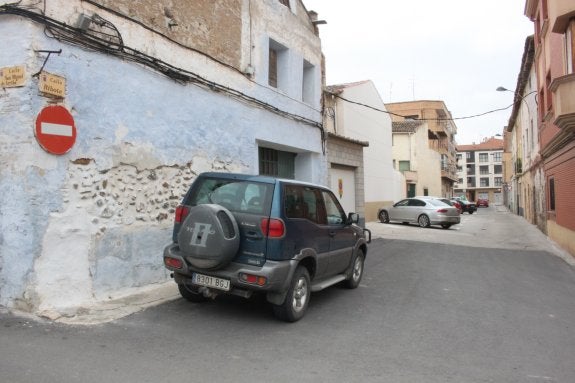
(55,129)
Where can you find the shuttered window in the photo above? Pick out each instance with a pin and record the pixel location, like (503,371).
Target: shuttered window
(273,69)
(277,163)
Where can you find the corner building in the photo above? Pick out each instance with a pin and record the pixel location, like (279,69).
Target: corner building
(160,92)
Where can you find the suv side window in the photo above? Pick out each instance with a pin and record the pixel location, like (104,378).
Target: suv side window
(335,213)
(304,202)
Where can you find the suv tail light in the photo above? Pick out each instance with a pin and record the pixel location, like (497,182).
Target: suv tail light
(173,262)
(181,213)
(272,227)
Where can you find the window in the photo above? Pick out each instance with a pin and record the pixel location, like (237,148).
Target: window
(277,163)
(549,94)
(570,47)
(496,156)
(277,65)
(425,191)
(305,203)
(483,157)
(498,181)
(471,182)
(484,182)
(308,83)
(460,181)
(484,169)
(335,213)
(551,193)
(273,69)
(498,169)
(404,166)
(237,196)
(468,155)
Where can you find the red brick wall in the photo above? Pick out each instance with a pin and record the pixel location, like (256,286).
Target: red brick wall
(561,167)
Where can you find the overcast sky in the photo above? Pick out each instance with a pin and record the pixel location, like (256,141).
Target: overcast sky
(457,51)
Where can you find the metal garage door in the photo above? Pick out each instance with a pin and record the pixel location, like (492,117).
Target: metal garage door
(343,186)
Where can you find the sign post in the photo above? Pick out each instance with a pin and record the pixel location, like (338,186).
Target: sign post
(55,130)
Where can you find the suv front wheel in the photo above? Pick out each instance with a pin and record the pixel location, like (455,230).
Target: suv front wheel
(357,271)
(297,298)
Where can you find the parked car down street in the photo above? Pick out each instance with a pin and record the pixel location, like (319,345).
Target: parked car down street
(425,212)
(466,206)
(482,202)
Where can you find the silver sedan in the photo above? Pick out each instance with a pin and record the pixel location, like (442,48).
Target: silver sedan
(424,212)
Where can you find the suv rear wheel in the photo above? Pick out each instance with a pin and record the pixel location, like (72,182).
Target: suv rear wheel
(297,298)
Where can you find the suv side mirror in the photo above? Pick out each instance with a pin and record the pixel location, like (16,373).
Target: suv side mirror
(352,218)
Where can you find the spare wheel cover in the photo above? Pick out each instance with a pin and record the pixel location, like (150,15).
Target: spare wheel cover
(209,236)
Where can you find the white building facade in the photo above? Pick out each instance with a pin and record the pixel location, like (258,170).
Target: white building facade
(420,164)
(352,118)
(158,94)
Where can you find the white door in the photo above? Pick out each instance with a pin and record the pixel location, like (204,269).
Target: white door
(343,186)
(498,198)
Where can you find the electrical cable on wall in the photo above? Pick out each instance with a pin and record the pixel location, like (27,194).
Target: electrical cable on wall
(108,40)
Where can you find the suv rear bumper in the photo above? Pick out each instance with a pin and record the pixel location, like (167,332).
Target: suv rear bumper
(277,273)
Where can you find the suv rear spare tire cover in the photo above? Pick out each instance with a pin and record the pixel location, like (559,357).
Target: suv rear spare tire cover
(209,236)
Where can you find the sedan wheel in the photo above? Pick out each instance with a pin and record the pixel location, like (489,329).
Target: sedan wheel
(383,217)
(423,221)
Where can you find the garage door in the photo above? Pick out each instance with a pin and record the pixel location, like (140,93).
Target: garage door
(343,186)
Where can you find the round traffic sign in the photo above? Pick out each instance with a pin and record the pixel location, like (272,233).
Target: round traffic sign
(55,130)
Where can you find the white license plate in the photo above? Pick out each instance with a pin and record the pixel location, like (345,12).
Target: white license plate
(206,280)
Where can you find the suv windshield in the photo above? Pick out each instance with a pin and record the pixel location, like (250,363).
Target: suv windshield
(236,196)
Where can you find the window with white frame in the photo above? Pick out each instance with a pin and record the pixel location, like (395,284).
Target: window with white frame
(483,157)
(498,181)
(484,169)
(497,156)
(484,182)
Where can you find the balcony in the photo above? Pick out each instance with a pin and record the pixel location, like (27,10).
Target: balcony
(563,89)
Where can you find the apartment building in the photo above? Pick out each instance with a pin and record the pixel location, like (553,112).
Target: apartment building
(480,171)
(441,130)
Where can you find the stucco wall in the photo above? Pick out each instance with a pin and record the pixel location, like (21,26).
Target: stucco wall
(372,126)
(91,223)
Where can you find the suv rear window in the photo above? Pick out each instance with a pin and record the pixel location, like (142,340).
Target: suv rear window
(236,196)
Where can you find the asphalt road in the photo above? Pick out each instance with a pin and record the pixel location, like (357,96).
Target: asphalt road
(426,311)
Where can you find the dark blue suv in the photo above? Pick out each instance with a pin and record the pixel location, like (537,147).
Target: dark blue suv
(243,234)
